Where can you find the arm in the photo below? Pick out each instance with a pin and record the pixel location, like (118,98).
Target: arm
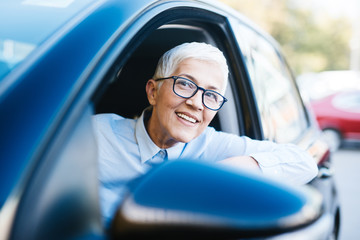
(285,162)
(241,162)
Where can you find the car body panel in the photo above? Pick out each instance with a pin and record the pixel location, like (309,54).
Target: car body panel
(342,115)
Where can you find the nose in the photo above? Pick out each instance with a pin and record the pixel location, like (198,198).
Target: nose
(196,101)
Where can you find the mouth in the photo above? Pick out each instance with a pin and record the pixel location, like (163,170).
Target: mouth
(187,118)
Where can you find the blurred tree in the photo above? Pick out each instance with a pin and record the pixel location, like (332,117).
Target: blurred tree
(311,42)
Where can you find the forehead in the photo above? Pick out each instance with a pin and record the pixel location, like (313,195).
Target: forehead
(207,74)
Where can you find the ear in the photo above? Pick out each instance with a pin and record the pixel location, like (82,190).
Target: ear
(151,91)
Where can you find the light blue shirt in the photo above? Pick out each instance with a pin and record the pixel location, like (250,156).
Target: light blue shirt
(126,151)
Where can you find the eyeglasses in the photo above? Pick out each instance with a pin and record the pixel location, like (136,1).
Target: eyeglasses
(186,88)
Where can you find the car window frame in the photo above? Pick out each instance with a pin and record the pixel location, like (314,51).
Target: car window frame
(237,77)
(248,59)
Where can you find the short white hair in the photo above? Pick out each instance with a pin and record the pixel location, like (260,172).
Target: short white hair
(170,61)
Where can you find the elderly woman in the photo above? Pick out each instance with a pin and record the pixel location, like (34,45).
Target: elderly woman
(185,93)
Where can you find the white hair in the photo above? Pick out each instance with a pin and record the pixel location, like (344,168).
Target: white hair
(170,61)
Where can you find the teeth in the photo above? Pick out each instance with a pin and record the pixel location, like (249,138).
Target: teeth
(186,117)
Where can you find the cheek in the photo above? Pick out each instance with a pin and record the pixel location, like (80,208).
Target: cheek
(170,101)
(166,108)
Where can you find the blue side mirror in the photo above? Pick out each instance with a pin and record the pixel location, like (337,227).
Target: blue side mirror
(187,198)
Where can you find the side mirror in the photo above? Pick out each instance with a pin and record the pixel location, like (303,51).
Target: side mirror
(187,199)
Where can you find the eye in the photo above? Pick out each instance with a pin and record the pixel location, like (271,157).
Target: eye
(213,96)
(183,83)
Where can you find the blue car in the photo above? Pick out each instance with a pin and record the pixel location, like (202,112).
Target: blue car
(63,61)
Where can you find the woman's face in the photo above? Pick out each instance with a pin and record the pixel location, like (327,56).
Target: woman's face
(175,119)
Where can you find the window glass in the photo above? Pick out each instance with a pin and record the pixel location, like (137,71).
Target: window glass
(282,113)
(11,53)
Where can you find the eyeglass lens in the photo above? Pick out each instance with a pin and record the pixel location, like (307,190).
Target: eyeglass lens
(186,88)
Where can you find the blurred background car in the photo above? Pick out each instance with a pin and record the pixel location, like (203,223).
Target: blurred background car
(333,98)
(79,58)
(319,85)
(338,116)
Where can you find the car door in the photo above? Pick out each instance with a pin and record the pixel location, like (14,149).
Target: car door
(61,199)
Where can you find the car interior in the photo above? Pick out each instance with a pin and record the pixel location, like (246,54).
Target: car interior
(125,94)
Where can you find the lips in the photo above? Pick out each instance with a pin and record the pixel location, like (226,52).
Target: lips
(186,117)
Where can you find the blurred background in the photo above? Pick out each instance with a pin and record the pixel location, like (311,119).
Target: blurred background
(315,36)
(321,41)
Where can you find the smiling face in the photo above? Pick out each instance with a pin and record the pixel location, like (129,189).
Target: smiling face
(175,119)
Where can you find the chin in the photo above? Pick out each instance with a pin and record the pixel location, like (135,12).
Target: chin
(187,138)
(185,134)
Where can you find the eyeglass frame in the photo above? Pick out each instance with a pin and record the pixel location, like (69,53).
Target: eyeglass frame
(197,89)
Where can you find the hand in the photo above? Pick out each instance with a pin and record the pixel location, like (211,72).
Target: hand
(241,162)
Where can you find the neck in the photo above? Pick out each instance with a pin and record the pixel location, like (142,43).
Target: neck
(161,140)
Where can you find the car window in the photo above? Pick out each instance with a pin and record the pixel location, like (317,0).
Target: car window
(282,114)
(17,45)
(129,82)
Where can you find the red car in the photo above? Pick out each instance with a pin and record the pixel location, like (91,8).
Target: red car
(338,116)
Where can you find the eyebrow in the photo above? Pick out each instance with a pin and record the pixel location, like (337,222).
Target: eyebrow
(194,80)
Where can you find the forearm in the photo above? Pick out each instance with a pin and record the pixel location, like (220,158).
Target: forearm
(241,162)
(287,163)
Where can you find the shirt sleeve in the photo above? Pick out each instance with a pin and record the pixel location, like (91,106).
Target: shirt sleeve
(285,162)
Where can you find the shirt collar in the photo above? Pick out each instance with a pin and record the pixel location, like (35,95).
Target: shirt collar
(147,147)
